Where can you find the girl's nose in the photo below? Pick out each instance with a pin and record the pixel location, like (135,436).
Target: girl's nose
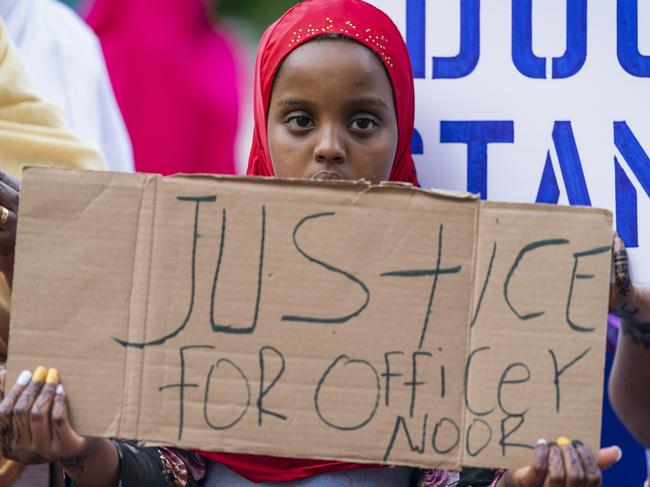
(330,146)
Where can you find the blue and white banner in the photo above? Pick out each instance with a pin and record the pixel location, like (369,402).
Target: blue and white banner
(536,101)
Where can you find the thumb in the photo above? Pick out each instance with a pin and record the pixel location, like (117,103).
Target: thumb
(609,456)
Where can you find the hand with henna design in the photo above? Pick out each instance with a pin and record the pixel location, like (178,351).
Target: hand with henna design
(628,300)
(629,382)
(562,464)
(34,428)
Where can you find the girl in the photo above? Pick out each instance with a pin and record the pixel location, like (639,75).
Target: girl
(334,99)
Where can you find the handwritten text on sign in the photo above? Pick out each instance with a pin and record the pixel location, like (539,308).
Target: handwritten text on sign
(378,324)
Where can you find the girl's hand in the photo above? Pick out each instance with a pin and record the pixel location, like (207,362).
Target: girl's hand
(9,198)
(562,464)
(626,299)
(34,426)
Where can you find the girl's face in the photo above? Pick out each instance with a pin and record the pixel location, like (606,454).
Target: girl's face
(332,115)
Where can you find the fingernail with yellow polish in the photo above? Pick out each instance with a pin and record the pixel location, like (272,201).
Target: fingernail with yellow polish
(39,374)
(563,441)
(52,376)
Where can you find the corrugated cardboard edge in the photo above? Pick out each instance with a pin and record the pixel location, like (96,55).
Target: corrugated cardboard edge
(475,292)
(358,184)
(132,395)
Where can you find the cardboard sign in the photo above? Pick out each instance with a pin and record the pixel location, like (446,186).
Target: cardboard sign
(314,320)
(535,101)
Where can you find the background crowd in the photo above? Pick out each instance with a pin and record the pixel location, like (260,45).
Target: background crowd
(172,98)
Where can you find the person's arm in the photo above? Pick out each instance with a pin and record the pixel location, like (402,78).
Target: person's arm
(97,466)
(629,382)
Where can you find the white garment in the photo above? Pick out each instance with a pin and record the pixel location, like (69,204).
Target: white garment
(63,58)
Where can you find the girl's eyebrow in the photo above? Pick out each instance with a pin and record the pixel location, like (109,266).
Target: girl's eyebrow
(290,102)
(374,101)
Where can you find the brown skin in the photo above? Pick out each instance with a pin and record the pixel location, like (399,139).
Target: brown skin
(34,428)
(562,466)
(629,382)
(332,124)
(331,116)
(9,198)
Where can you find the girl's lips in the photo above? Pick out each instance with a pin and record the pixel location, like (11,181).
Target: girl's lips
(327,176)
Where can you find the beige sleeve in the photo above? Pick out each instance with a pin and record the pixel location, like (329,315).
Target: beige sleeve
(32,132)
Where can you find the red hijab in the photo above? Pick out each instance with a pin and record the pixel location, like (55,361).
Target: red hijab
(371,27)
(359,21)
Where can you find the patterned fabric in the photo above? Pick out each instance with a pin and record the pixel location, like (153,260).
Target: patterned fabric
(156,467)
(440,478)
(172,467)
(469,477)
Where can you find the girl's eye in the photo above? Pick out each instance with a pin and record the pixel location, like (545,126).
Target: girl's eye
(300,122)
(363,124)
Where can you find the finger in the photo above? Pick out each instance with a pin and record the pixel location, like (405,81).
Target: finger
(6,411)
(10,181)
(535,473)
(8,224)
(574,473)
(3,380)
(9,196)
(65,438)
(621,268)
(22,437)
(555,474)
(589,465)
(608,457)
(40,415)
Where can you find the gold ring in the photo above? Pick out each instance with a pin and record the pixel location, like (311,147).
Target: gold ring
(5,215)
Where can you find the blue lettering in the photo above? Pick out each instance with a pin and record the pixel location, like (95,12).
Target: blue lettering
(639,162)
(571,167)
(549,191)
(417,145)
(576,33)
(533,66)
(477,135)
(416,35)
(522,41)
(470,44)
(627,37)
(626,210)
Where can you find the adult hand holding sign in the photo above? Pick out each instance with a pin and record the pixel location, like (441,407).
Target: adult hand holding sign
(34,428)
(9,198)
(562,463)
